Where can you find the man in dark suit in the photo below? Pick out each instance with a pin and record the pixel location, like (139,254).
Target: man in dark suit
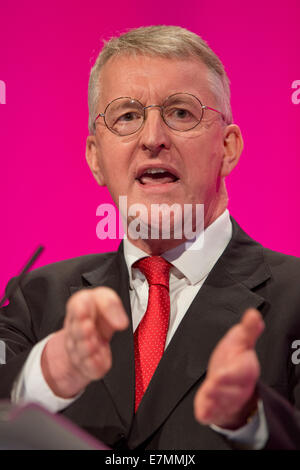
(161,132)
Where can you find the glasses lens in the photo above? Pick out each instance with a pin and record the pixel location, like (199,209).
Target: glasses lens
(124,116)
(182,111)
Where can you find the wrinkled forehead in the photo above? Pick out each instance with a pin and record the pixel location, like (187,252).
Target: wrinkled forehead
(151,79)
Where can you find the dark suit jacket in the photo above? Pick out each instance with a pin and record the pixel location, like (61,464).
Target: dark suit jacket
(245,275)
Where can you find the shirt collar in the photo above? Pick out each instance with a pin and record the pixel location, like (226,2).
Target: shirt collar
(193,259)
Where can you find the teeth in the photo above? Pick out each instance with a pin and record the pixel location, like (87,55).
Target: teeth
(152,171)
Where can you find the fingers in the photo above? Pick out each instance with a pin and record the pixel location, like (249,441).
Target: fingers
(241,372)
(92,317)
(233,371)
(240,337)
(91,357)
(223,396)
(102,306)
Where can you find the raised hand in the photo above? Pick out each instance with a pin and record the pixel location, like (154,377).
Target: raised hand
(227,396)
(80,352)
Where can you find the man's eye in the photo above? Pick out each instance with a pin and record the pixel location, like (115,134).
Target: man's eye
(179,113)
(130,116)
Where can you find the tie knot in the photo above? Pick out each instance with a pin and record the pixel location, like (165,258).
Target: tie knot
(156,270)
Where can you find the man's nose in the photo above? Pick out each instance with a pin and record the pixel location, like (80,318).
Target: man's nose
(155,134)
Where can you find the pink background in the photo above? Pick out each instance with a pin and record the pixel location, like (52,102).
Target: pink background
(48,195)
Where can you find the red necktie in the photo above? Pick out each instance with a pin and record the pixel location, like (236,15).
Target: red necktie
(150,336)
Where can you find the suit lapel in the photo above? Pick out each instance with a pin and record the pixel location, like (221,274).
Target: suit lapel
(219,304)
(120,379)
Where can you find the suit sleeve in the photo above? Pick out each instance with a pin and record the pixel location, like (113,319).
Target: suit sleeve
(283,419)
(16,332)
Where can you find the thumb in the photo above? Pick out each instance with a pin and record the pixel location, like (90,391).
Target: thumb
(253,326)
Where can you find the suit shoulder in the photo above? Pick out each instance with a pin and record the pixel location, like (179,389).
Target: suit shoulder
(282,264)
(69,270)
(278,257)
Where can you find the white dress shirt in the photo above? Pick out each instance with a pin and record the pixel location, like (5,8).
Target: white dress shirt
(191,264)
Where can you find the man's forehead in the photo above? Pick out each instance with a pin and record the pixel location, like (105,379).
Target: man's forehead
(138,76)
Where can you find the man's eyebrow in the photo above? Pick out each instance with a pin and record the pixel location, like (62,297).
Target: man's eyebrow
(180,101)
(125,104)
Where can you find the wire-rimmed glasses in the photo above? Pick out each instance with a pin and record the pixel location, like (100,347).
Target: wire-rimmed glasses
(180,111)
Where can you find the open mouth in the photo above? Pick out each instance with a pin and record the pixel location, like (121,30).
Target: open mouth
(152,176)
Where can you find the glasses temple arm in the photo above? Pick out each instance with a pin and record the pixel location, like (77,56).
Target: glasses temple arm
(213,109)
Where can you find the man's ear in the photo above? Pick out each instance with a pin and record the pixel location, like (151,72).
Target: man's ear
(93,159)
(233,146)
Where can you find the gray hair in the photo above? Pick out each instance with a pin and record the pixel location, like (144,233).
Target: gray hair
(164,41)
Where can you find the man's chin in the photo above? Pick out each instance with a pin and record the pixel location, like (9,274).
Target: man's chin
(162,221)
(155,246)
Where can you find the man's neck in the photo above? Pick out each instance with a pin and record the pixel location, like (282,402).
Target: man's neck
(158,246)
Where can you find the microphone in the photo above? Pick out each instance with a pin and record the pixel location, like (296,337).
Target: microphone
(14,284)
